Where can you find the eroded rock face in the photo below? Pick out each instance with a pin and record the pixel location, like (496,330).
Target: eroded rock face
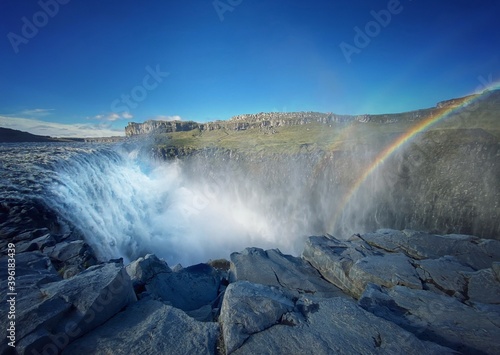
(51,312)
(387,269)
(442,288)
(438,318)
(474,252)
(351,265)
(149,327)
(71,257)
(188,288)
(445,275)
(259,319)
(143,270)
(445,264)
(251,308)
(271,267)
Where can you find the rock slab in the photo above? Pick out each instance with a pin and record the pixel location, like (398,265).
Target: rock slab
(149,327)
(258,319)
(272,268)
(438,318)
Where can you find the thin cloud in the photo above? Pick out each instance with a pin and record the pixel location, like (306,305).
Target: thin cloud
(36,112)
(53,129)
(112,116)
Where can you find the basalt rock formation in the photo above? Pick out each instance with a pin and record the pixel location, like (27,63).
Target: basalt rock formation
(382,292)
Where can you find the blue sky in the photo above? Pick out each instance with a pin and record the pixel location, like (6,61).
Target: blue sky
(74,67)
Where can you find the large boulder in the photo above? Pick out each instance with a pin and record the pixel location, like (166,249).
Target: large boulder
(53,314)
(438,318)
(188,289)
(144,269)
(149,327)
(249,309)
(258,319)
(441,263)
(334,258)
(351,265)
(33,270)
(271,267)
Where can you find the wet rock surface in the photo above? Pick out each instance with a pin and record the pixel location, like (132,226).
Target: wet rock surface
(384,292)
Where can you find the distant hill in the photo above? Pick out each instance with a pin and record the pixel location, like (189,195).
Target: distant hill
(469,119)
(8,135)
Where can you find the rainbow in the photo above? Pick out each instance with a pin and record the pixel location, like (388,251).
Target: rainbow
(402,140)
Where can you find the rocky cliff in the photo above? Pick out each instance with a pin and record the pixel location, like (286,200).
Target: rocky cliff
(271,119)
(274,120)
(157,127)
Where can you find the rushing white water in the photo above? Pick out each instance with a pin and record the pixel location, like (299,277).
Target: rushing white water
(211,204)
(126,207)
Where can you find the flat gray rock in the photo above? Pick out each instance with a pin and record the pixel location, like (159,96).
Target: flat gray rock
(149,327)
(469,250)
(64,310)
(437,318)
(351,265)
(33,269)
(386,270)
(334,258)
(271,267)
(484,287)
(446,275)
(309,325)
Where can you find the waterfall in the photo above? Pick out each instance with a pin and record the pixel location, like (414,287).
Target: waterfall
(126,207)
(214,202)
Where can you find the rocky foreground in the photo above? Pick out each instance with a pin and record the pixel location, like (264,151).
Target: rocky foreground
(385,292)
